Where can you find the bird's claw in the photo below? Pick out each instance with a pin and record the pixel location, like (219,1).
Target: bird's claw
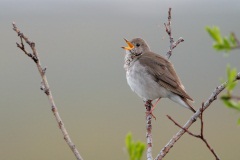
(150,113)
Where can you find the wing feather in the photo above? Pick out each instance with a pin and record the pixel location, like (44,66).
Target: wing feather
(163,73)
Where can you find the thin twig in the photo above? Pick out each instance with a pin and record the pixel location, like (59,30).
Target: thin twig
(192,119)
(237,41)
(229,96)
(190,133)
(169,32)
(235,97)
(201,117)
(200,136)
(45,87)
(149,130)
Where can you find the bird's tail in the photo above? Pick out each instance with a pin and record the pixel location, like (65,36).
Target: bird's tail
(189,105)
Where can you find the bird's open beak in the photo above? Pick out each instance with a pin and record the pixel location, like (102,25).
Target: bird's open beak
(130,45)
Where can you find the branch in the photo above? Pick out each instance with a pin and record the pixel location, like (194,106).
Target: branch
(230,96)
(45,87)
(192,119)
(201,135)
(237,41)
(148,105)
(186,130)
(169,32)
(235,97)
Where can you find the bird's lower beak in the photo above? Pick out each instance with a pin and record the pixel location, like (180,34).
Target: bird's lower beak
(130,45)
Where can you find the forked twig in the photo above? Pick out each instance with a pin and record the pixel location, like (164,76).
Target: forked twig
(169,32)
(201,135)
(45,87)
(192,119)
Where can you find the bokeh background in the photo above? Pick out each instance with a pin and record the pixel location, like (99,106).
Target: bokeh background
(79,42)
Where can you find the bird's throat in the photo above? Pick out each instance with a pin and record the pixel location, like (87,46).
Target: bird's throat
(130,59)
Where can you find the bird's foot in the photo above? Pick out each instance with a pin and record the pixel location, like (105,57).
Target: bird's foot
(155,104)
(150,113)
(149,108)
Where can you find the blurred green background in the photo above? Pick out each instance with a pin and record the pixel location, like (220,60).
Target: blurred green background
(79,42)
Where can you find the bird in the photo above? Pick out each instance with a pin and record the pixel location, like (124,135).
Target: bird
(152,77)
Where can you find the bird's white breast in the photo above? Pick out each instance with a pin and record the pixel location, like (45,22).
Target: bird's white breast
(142,83)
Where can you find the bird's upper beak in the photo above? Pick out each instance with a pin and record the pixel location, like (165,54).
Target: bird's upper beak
(130,45)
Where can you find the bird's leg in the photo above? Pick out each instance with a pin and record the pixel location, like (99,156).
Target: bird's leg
(148,105)
(153,106)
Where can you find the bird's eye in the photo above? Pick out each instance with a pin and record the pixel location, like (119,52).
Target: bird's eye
(137,44)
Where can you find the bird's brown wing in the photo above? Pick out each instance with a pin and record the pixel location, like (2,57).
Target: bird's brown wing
(163,73)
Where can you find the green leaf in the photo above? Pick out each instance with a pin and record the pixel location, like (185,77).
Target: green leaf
(231,73)
(225,97)
(135,149)
(227,46)
(232,40)
(141,150)
(232,104)
(215,33)
(227,103)
(218,46)
(221,43)
(128,142)
(231,86)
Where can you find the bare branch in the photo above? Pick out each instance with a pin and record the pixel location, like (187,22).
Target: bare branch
(192,119)
(236,39)
(149,130)
(190,133)
(169,32)
(201,135)
(234,97)
(45,87)
(201,117)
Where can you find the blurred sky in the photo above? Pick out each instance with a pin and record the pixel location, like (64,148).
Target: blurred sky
(80,43)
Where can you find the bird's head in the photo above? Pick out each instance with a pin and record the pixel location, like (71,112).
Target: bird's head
(137,46)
